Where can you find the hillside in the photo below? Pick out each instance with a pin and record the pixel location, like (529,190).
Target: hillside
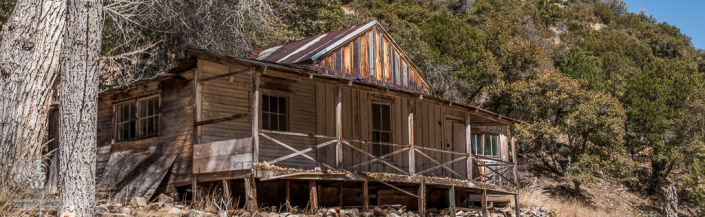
(614,101)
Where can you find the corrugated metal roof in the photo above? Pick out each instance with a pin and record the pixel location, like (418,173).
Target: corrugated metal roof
(309,49)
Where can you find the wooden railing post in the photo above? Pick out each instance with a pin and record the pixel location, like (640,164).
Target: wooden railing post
(255,115)
(468,146)
(484,203)
(451,198)
(516,177)
(412,154)
(196,119)
(250,194)
(339,129)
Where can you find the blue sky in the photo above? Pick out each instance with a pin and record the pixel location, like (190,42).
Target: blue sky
(684,14)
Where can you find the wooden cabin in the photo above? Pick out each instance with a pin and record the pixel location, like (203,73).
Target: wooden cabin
(340,119)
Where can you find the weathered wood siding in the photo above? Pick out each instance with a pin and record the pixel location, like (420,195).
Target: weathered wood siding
(374,58)
(175,134)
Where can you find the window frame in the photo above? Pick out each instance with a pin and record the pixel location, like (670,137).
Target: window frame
(390,131)
(137,103)
(287,115)
(482,144)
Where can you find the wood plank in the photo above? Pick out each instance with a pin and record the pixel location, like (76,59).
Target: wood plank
(313,195)
(222,163)
(221,148)
(422,199)
(365,197)
(468,141)
(255,116)
(339,129)
(250,194)
(251,70)
(223,119)
(410,127)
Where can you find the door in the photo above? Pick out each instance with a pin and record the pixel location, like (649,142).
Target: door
(459,146)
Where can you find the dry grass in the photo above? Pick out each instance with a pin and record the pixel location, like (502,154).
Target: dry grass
(533,195)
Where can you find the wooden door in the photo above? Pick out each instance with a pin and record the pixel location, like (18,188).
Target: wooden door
(459,146)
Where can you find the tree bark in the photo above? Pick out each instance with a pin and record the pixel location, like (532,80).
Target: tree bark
(30,45)
(79,106)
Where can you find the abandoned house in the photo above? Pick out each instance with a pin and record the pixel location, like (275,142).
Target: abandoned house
(342,119)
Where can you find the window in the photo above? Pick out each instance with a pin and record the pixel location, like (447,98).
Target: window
(489,148)
(491,145)
(381,128)
(274,113)
(137,118)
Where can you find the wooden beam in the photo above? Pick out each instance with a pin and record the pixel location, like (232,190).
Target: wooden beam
(194,189)
(250,194)
(223,119)
(340,194)
(313,195)
(394,187)
(293,149)
(288,190)
(436,162)
(516,177)
(303,151)
(255,117)
(365,198)
(378,159)
(484,203)
(468,146)
(226,193)
(339,129)
(422,199)
(251,69)
(444,164)
(451,198)
(412,154)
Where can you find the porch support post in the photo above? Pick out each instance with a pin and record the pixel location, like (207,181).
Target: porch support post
(412,154)
(313,195)
(468,146)
(250,194)
(451,198)
(226,193)
(288,191)
(365,198)
(484,203)
(422,196)
(255,115)
(516,177)
(194,189)
(339,129)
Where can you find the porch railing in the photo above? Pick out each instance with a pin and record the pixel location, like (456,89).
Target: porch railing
(498,172)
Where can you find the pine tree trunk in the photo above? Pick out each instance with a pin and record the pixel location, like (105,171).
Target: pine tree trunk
(30,46)
(79,106)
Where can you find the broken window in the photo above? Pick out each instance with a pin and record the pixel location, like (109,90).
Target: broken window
(274,113)
(137,118)
(381,128)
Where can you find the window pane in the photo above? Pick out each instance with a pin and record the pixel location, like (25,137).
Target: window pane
(282,122)
(375,136)
(265,103)
(273,121)
(376,123)
(143,127)
(151,128)
(488,145)
(375,150)
(125,113)
(156,125)
(133,111)
(386,118)
(144,106)
(495,152)
(282,105)
(132,129)
(150,112)
(265,121)
(473,143)
(125,129)
(273,104)
(385,137)
(384,150)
